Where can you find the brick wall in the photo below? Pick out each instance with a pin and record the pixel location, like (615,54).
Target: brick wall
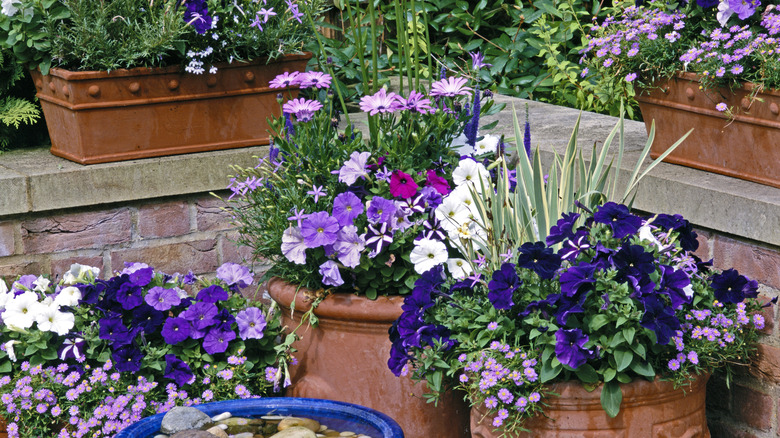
(175,234)
(749,408)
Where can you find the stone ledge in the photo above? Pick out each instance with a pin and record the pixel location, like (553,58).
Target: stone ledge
(36,181)
(33,180)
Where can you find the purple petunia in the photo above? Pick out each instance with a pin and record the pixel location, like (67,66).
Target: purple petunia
(175,330)
(251,323)
(502,286)
(177,370)
(161,298)
(618,218)
(235,274)
(319,229)
(346,207)
(380,210)
(201,315)
(330,274)
(212,294)
(569,347)
(349,246)
(217,341)
(730,287)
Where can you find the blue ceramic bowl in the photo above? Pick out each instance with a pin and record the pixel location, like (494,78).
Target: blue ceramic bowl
(336,415)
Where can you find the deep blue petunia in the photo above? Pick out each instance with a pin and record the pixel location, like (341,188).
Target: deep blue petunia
(502,286)
(684,229)
(539,258)
(113,329)
(399,357)
(177,370)
(563,229)
(566,306)
(633,261)
(730,287)
(577,278)
(707,3)
(175,330)
(212,294)
(129,296)
(147,318)
(617,216)
(677,285)
(569,347)
(127,358)
(659,318)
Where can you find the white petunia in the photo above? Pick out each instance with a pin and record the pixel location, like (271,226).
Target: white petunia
(41,284)
(646,234)
(19,313)
(459,268)
(50,319)
(724,12)
(427,253)
(9,348)
(452,213)
(80,274)
(688,291)
(469,171)
(68,296)
(460,146)
(293,247)
(8,7)
(488,145)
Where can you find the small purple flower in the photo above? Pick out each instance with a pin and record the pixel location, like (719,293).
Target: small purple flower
(316,79)
(569,347)
(319,229)
(415,102)
(251,323)
(478,61)
(630,77)
(161,298)
(380,210)
(721,107)
(285,80)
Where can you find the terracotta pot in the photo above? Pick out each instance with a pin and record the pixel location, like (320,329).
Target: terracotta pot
(745,147)
(3,429)
(98,116)
(345,358)
(649,409)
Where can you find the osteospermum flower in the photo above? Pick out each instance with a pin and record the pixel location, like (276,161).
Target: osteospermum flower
(450,87)
(285,80)
(316,79)
(380,102)
(302,109)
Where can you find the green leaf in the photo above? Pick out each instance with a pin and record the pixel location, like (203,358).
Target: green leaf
(5,367)
(609,374)
(611,398)
(628,333)
(623,358)
(597,322)
(550,372)
(587,374)
(643,369)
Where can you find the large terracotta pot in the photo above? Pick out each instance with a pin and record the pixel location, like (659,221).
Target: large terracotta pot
(98,116)
(345,358)
(649,410)
(743,147)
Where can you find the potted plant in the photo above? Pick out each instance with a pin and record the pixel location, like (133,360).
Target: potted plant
(604,322)
(132,79)
(336,214)
(90,356)
(704,64)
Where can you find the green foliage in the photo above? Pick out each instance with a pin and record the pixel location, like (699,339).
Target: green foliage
(16,110)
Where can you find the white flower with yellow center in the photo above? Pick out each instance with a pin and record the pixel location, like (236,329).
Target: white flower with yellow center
(459,268)
(473,173)
(427,253)
(50,319)
(488,145)
(19,313)
(452,213)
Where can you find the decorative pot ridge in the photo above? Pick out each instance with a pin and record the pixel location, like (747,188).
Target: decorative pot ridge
(743,144)
(99,116)
(649,409)
(342,306)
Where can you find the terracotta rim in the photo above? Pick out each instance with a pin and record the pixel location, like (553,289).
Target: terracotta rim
(341,306)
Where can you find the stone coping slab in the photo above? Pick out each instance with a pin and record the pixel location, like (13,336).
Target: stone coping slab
(33,180)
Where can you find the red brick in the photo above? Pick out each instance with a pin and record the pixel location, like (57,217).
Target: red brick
(768,363)
(76,231)
(164,220)
(199,256)
(752,407)
(768,313)
(210,216)
(232,252)
(11,270)
(7,238)
(61,265)
(758,263)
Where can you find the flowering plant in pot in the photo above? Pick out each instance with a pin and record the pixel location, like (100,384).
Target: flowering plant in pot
(337,213)
(190,76)
(716,60)
(90,356)
(534,297)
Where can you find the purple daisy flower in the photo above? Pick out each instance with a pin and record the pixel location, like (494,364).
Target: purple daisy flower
(450,87)
(381,102)
(302,109)
(316,79)
(284,80)
(415,102)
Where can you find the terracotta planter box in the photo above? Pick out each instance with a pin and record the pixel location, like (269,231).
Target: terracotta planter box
(649,409)
(98,116)
(747,147)
(345,358)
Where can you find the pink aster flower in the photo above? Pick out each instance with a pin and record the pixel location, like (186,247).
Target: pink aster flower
(381,102)
(302,109)
(450,87)
(721,107)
